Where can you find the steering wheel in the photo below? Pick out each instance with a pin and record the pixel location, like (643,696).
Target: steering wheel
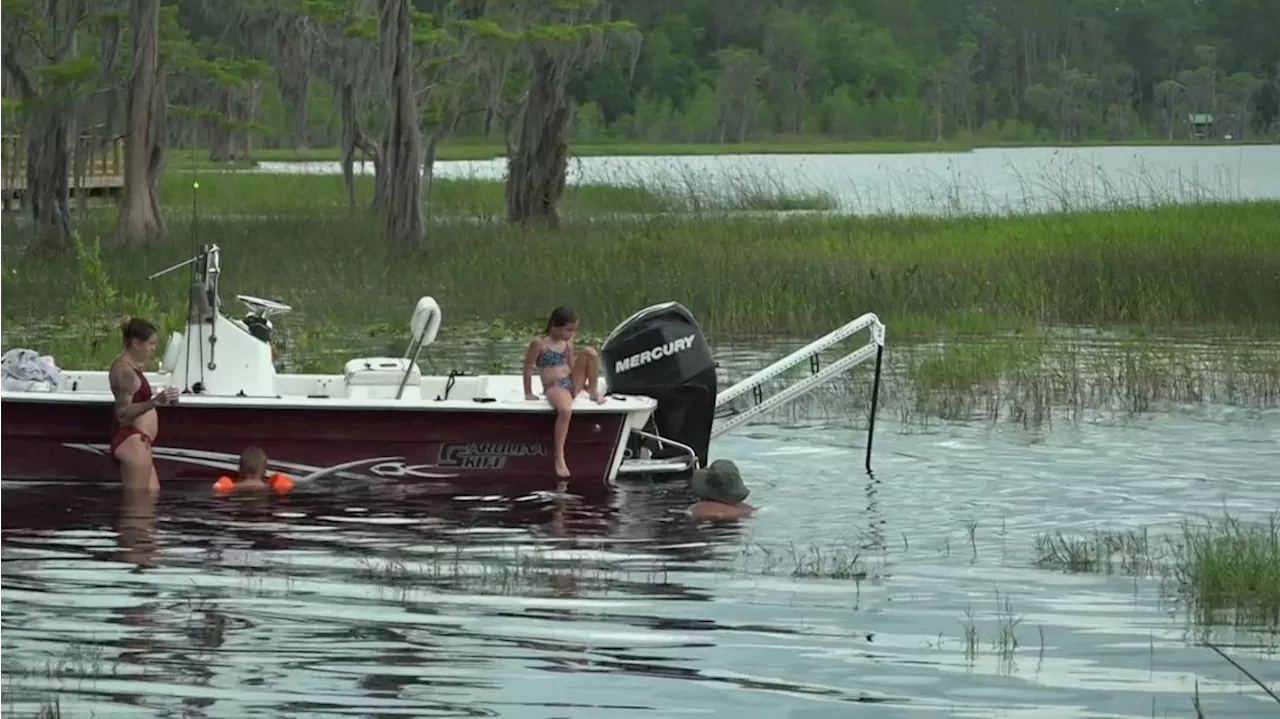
(265,308)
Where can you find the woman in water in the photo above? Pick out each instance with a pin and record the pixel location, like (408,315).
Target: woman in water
(563,376)
(136,422)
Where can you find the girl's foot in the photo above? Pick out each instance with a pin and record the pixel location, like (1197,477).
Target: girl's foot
(562,469)
(597,397)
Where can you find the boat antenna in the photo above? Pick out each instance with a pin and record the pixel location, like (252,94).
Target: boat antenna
(195,249)
(195,216)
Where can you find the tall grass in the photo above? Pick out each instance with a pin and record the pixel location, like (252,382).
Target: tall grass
(1158,268)
(1231,570)
(1225,572)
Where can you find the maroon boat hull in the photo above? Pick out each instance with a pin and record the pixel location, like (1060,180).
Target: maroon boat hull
(64,441)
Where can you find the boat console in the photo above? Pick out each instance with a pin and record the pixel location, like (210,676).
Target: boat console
(216,354)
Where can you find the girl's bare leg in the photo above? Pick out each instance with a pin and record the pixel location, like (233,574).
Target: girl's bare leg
(586,373)
(563,402)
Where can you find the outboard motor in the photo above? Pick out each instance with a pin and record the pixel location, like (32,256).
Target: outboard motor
(659,352)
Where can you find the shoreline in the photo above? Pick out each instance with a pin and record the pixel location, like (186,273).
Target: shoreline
(474,150)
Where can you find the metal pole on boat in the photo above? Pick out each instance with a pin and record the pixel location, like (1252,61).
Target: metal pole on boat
(875,399)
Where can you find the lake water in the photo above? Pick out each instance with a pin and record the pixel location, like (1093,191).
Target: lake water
(994,180)
(344,601)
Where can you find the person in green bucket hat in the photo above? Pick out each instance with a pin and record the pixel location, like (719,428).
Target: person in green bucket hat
(720,491)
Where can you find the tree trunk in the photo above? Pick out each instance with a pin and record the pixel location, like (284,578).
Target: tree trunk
(299,92)
(539,161)
(108,56)
(382,173)
(251,113)
(47,170)
(403,149)
(222,145)
(293,79)
(140,220)
(353,138)
(429,170)
(80,158)
(45,130)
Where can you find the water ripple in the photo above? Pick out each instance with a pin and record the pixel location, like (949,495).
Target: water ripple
(346,604)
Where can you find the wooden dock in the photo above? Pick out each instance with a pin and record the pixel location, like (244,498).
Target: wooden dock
(103,172)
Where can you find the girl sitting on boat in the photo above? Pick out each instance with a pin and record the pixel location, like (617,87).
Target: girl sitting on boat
(564,377)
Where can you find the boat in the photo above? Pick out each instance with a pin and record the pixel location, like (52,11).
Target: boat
(383,418)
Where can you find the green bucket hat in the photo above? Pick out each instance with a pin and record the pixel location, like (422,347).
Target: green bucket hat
(720,482)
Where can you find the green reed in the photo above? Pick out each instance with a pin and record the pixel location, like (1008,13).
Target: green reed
(1230,570)
(1038,378)
(1167,267)
(834,560)
(1224,572)
(1101,551)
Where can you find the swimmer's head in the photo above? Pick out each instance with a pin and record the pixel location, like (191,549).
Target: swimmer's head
(253,463)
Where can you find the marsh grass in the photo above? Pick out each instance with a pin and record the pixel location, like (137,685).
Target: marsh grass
(723,189)
(1170,267)
(1003,642)
(1102,552)
(1031,377)
(1037,378)
(75,661)
(464,568)
(49,707)
(251,194)
(840,560)
(1225,572)
(1230,570)
(506,572)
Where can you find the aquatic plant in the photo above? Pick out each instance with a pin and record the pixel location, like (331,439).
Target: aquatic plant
(1003,644)
(47,708)
(514,570)
(1224,572)
(836,559)
(1102,551)
(1229,570)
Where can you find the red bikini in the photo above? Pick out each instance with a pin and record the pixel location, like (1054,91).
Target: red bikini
(119,433)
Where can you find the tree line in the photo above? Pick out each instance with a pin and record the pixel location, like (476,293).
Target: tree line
(388,80)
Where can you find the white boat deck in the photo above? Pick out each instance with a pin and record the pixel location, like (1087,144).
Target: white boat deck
(374,389)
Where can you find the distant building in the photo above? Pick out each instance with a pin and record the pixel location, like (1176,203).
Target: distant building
(1201,125)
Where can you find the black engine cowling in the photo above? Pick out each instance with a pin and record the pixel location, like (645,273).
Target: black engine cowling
(659,352)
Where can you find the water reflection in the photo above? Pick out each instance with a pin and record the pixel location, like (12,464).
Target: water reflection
(383,600)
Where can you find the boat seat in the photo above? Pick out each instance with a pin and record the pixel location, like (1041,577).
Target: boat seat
(379,377)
